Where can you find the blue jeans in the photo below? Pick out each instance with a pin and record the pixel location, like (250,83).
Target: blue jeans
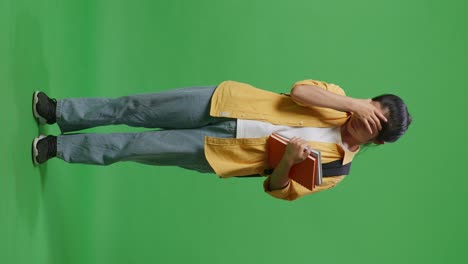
(181,114)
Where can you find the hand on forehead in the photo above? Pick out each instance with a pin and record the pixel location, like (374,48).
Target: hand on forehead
(379,106)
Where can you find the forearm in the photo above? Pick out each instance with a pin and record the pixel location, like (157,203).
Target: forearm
(279,178)
(316,96)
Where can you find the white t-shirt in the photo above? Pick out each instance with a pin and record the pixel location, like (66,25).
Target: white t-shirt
(256,129)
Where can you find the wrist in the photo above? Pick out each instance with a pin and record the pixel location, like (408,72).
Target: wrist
(351,104)
(279,179)
(287,161)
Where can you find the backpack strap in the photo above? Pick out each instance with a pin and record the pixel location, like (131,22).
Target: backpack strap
(334,168)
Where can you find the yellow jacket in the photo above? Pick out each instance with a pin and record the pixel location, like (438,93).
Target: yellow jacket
(246,156)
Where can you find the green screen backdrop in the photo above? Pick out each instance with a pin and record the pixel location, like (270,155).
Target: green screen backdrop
(402,203)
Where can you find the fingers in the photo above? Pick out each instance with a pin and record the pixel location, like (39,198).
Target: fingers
(373,123)
(301,143)
(366,122)
(381,116)
(306,154)
(371,116)
(305,151)
(377,122)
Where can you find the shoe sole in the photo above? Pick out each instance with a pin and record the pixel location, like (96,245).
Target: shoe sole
(41,120)
(35,151)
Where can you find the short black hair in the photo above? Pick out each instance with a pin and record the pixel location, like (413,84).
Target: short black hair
(398,118)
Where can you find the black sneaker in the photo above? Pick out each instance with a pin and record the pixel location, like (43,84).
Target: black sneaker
(44,148)
(44,108)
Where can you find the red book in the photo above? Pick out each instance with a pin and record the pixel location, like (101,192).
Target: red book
(304,173)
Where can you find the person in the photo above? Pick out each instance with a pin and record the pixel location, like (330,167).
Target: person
(222,129)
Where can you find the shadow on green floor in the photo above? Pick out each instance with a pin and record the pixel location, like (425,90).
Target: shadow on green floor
(28,72)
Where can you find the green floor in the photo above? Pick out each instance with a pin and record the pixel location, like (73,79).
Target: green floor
(402,203)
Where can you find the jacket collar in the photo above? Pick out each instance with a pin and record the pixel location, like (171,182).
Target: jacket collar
(348,155)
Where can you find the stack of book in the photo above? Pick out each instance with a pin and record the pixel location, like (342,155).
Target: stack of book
(308,173)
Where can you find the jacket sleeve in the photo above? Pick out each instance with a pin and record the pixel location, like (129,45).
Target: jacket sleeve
(326,86)
(294,190)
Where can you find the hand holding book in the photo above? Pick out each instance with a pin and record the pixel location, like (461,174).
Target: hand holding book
(306,166)
(297,150)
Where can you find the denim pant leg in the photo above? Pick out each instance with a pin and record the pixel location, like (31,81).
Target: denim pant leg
(183,113)
(177,147)
(187,107)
